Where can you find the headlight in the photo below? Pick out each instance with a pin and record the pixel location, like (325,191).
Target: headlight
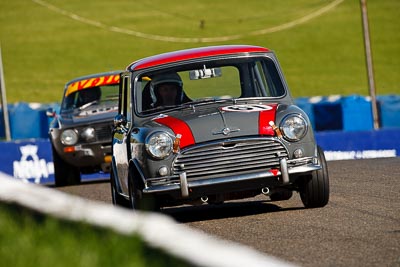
(88,134)
(159,145)
(293,127)
(69,137)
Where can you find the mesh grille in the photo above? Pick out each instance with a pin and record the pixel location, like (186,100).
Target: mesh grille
(235,156)
(103,132)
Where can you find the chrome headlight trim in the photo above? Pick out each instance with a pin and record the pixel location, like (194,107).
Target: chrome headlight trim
(293,127)
(69,137)
(159,144)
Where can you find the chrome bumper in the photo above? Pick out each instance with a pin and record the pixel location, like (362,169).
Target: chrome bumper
(287,167)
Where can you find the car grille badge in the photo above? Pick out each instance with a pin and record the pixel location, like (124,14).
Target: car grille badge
(226,131)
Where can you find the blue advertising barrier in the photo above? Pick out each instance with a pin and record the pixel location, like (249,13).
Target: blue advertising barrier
(340,145)
(31,160)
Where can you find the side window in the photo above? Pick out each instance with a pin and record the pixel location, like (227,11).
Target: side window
(128,111)
(124,106)
(266,79)
(260,80)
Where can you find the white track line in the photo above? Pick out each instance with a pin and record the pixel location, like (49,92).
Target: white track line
(116,29)
(156,229)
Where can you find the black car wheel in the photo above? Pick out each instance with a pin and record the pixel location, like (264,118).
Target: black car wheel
(314,189)
(65,174)
(138,200)
(117,199)
(135,195)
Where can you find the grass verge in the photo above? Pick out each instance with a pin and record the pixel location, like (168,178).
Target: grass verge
(45,45)
(28,238)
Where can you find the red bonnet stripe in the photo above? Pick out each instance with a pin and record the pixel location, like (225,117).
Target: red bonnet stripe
(264,118)
(178,127)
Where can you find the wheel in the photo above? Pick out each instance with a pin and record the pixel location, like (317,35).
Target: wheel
(64,173)
(117,199)
(281,195)
(314,190)
(138,200)
(135,195)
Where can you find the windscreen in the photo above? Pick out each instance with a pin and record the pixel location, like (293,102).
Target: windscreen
(208,81)
(105,96)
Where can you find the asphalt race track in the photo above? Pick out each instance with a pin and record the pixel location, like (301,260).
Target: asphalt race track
(360,226)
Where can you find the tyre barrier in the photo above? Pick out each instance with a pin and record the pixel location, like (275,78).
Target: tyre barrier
(326,113)
(28,120)
(350,113)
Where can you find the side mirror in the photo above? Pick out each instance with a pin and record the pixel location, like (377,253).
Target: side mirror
(50,112)
(120,121)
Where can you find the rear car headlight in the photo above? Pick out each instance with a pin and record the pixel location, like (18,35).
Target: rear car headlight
(294,127)
(159,145)
(88,134)
(69,137)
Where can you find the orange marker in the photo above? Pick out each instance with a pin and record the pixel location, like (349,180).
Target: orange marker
(276,129)
(177,141)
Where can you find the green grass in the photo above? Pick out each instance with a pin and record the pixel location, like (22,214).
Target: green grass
(31,239)
(43,49)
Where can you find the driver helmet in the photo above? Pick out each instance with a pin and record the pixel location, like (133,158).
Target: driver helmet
(172,78)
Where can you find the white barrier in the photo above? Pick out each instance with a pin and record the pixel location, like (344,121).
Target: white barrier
(155,229)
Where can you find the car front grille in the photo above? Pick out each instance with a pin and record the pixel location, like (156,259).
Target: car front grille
(103,133)
(228,157)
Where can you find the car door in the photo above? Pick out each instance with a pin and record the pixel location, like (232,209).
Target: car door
(120,148)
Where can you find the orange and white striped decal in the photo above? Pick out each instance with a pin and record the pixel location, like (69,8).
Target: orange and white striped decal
(92,82)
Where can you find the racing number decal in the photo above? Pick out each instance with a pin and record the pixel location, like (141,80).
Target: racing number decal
(247,108)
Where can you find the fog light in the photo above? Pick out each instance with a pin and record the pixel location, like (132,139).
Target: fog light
(163,171)
(88,134)
(107,159)
(298,153)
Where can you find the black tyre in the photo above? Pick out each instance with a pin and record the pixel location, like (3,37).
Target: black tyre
(281,195)
(65,174)
(138,200)
(314,190)
(117,199)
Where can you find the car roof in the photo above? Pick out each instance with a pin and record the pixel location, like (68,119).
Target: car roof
(194,53)
(92,80)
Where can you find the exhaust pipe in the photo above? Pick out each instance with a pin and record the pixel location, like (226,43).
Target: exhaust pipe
(204,199)
(265,191)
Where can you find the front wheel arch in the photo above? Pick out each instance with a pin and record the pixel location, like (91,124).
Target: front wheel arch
(117,198)
(138,200)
